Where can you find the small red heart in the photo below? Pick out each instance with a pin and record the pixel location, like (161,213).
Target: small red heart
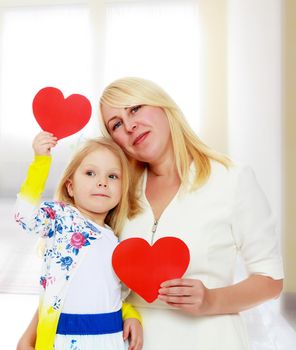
(60,116)
(143,267)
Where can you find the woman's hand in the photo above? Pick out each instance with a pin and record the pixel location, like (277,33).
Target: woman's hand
(133,331)
(193,297)
(43,143)
(189,295)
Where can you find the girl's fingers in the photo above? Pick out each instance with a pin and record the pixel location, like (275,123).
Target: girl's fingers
(44,135)
(43,142)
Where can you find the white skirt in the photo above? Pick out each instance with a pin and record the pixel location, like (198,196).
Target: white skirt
(90,342)
(90,332)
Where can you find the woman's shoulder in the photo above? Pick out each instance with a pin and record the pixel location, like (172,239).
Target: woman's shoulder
(235,168)
(232,175)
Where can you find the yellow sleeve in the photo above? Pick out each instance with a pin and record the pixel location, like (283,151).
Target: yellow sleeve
(129,312)
(34,184)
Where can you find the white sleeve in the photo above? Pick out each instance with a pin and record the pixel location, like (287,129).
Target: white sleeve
(35,219)
(254,227)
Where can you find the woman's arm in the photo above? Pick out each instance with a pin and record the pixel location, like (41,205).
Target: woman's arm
(255,237)
(28,339)
(193,297)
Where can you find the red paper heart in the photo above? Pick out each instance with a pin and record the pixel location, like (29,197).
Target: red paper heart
(143,267)
(60,116)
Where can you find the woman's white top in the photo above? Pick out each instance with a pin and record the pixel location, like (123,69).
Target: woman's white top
(226,217)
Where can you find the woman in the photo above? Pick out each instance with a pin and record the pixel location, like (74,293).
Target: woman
(216,207)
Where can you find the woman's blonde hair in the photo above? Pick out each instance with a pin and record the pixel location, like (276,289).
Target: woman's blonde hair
(131,91)
(128,202)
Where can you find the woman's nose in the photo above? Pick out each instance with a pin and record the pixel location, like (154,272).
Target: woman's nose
(130,125)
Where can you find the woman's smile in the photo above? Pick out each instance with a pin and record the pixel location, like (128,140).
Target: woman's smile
(140,138)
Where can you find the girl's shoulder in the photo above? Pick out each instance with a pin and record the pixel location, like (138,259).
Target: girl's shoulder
(53,208)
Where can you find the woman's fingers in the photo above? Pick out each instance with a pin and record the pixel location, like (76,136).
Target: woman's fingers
(179,282)
(185,294)
(179,291)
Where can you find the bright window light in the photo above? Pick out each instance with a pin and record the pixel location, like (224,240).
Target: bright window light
(158,41)
(41,46)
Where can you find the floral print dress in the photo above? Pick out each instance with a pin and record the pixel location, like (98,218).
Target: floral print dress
(78,255)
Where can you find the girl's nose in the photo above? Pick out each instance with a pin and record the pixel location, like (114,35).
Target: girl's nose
(101,184)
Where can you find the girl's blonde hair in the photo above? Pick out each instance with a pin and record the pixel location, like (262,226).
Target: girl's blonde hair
(131,91)
(128,204)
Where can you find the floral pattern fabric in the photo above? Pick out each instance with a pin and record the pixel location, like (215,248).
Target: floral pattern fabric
(66,233)
(68,236)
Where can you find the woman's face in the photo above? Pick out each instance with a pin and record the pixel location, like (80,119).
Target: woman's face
(142,131)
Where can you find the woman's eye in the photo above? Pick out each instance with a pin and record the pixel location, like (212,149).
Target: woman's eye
(116,125)
(90,173)
(135,109)
(113,176)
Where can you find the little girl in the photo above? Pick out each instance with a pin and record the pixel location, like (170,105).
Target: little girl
(80,304)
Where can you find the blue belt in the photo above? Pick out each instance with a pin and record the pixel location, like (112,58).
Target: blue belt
(90,324)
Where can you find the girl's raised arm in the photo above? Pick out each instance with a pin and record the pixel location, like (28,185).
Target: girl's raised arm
(31,190)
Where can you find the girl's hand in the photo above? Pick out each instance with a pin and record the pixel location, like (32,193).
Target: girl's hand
(28,339)
(43,143)
(188,295)
(132,330)
(24,346)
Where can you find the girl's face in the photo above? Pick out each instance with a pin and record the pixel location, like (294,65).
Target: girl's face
(142,131)
(96,184)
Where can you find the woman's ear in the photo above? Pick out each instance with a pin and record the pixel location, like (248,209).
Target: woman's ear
(69,186)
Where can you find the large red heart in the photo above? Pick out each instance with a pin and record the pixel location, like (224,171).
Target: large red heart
(60,116)
(143,267)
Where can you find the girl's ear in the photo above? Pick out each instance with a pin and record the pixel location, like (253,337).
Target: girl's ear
(69,186)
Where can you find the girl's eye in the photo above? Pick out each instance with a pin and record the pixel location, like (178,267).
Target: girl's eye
(116,125)
(90,173)
(113,176)
(135,109)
